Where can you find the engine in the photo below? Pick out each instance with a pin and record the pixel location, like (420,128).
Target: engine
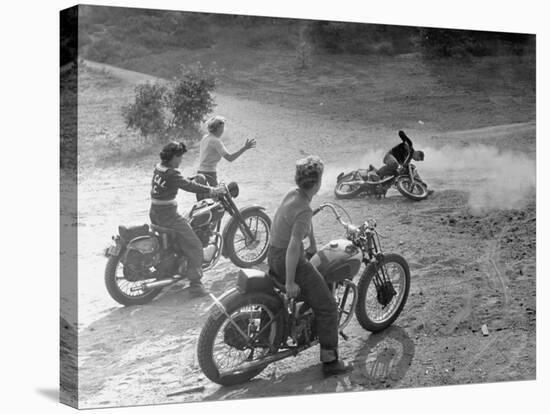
(204,233)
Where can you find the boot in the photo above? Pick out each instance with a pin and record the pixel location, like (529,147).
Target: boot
(196,289)
(331,364)
(336,367)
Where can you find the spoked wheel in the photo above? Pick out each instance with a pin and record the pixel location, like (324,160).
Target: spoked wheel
(346,186)
(416,190)
(122,290)
(243,251)
(231,350)
(383,290)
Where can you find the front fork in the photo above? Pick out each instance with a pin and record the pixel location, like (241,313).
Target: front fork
(234,211)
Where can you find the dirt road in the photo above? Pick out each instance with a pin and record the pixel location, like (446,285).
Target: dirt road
(467,270)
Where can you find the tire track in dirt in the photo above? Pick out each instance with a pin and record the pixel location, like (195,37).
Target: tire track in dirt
(462,314)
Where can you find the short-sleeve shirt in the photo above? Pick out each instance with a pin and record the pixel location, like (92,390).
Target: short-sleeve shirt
(211,152)
(294,210)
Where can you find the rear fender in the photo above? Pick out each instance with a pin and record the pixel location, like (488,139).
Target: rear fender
(115,248)
(342,175)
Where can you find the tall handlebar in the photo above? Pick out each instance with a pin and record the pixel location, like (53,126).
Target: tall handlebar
(348,226)
(333,209)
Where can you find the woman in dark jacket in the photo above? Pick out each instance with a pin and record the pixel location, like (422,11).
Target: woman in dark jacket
(166,182)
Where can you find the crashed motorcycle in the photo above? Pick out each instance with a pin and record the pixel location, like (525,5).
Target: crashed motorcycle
(255,324)
(144,259)
(367,182)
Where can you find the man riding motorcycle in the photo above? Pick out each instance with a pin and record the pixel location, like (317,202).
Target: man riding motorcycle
(166,182)
(287,261)
(397,156)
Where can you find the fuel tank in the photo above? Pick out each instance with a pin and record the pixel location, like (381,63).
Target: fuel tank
(338,260)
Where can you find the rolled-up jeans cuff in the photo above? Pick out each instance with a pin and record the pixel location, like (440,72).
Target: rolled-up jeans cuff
(328,355)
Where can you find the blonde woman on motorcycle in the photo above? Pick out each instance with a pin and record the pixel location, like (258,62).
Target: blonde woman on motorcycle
(286,257)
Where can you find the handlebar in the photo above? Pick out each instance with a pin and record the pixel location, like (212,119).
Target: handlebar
(347,226)
(350,228)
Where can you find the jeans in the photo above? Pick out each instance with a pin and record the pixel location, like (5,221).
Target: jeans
(390,166)
(316,294)
(189,243)
(211,180)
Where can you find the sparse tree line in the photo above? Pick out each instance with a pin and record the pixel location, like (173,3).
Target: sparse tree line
(113,35)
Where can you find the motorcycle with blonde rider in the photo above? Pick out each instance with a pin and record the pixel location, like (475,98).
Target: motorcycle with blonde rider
(255,324)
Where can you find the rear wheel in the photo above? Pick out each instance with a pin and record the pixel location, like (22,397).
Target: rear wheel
(124,291)
(224,354)
(416,190)
(345,188)
(382,292)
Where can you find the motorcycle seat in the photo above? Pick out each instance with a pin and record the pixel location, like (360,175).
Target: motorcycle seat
(250,280)
(382,180)
(128,233)
(160,229)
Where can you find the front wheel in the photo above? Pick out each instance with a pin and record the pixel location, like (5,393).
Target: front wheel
(230,350)
(382,292)
(124,291)
(416,190)
(347,187)
(243,251)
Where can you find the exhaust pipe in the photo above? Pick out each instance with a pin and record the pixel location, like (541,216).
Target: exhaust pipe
(260,363)
(268,360)
(156,284)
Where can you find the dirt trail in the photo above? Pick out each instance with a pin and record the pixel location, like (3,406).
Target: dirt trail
(460,278)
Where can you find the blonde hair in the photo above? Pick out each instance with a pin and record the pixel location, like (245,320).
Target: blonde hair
(309,171)
(214,123)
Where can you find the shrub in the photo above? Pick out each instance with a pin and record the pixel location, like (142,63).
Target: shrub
(146,114)
(189,99)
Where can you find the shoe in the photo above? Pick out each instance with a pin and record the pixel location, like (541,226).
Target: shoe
(197,290)
(336,367)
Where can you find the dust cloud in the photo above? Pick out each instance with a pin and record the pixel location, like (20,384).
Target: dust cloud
(494,179)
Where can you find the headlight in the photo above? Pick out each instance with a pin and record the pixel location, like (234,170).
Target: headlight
(233,188)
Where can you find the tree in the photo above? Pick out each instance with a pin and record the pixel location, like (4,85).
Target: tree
(190,96)
(146,113)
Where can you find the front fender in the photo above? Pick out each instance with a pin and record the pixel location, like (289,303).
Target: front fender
(233,219)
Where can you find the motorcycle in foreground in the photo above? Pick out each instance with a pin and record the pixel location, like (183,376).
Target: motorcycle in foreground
(144,259)
(255,324)
(366,182)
